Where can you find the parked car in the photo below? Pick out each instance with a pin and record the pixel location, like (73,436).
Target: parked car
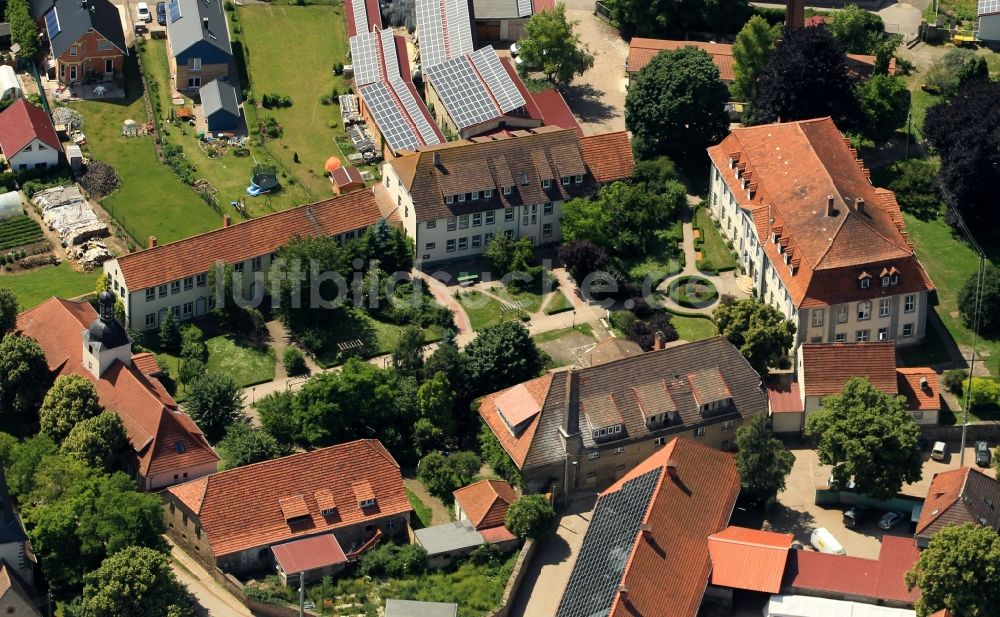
(940,451)
(161,13)
(856,516)
(890,520)
(142,10)
(824,542)
(983,455)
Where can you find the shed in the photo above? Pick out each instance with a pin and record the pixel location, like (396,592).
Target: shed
(10,205)
(10,85)
(222,108)
(74,156)
(311,558)
(346,179)
(446,543)
(413,608)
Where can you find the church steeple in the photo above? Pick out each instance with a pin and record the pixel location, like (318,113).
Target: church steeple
(105,340)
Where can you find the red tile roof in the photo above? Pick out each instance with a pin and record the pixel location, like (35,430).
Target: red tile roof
(641,51)
(880,578)
(495,535)
(485,502)
(693,499)
(783,396)
(826,367)
(253,238)
(793,169)
(749,558)
(609,156)
(345,175)
(309,554)
(963,495)
(920,395)
(22,122)
(152,420)
(241,508)
(373,16)
(554,109)
(146,363)
(515,445)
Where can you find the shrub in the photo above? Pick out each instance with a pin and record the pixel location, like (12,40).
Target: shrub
(985,392)
(338,68)
(294,361)
(394,561)
(954,381)
(623,320)
(530,516)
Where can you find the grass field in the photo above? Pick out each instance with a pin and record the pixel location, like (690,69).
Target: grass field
(553,335)
(291,51)
(424,514)
(693,328)
(32,288)
(246,364)
(377,338)
(558,304)
(716,254)
(482,310)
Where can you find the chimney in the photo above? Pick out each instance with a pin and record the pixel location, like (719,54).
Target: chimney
(926,387)
(829,205)
(152,242)
(659,341)
(204,22)
(437,159)
(861,205)
(571,407)
(672,468)
(226,220)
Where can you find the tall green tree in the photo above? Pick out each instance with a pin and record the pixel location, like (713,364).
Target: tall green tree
(436,402)
(338,406)
(245,445)
(8,310)
(858,31)
(100,442)
(277,416)
(550,44)
(751,50)
(958,571)
(170,333)
(23,29)
(676,105)
(762,460)
(497,458)
(506,255)
(389,246)
(136,582)
(989,313)
(443,474)
(885,106)
(672,18)
(214,402)
(23,460)
(758,330)
(24,379)
(71,399)
(530,516)
(502,356)
(408,355)
(868,436)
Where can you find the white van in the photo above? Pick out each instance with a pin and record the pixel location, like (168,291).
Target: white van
(939,451)
(824,542)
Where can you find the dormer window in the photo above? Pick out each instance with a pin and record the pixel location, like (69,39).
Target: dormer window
(366,503)
(523,178)
(449,199)
(546,183)
(328,511)
(885,281)
(894,279)
(864,280)
(461,197)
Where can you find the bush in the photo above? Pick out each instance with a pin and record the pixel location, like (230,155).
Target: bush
(954,381)
(275,101)
(338,68)
(530,516)
(985,393)
(394,561)
(295,362)
(623,320)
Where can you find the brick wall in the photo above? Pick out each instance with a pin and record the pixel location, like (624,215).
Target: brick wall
(207,73)
(89,58)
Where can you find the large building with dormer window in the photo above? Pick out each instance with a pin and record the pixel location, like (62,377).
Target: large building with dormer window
(588,427)
(821,243)
(454,198)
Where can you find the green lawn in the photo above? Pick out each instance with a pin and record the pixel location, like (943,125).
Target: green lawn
(693,328)
(40,284)
(716,254)
(662,260)
(558,304)
(483,310)
(291,51)
(377,337)
(424,515)
(554,335)
(247,364)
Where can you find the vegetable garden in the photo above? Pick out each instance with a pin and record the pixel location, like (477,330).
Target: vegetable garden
(19,231)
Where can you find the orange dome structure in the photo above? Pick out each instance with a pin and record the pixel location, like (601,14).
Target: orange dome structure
(332,163)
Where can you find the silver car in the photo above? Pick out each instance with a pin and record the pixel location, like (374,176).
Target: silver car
(890,520)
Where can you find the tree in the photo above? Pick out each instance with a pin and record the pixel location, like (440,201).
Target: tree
(530,516)
(170,333)
(858,31)
(214,402)
(24,459)
(245,445)
(751,50)
(427,436)
(465,466)
(916,187)
(443,474)
(136,582)
(193,343)
(959,571)
(583,257)
(501,356)
(71,399)
(965,131)
(23,29)
(762,460)
(507,255)
(390,247)
(497,458)
(952,70)
(885,105)
(436,402)
(277,416)
(8,310)
(669,18)
(868,436)
(805,77)
(338,406)
(100,442)
(24,379)
(989,313)
(550,44)
(408,354)
(758,330)
(294,362)
(189,370)
(676,106)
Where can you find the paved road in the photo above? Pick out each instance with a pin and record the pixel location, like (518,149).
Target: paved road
(213,600)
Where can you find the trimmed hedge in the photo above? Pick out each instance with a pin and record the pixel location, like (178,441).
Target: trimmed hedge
(691,297)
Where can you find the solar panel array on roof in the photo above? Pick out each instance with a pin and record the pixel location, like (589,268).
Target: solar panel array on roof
(364,56)
(391,122)
(607,547)
(462,92)
(52,23)
(458,27)
(430,25)
(413,109)
(523,8)
(497,79)
(389,58)
(174,10)
(987,7)
(360,16)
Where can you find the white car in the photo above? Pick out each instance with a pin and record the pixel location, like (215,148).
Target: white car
(824,542)
(142,9)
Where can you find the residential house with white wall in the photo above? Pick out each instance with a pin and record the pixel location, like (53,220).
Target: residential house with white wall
(27,137)
(821,243)
(454,198)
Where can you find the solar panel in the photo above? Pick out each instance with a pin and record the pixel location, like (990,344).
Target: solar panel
(389,58)
(360,16)
(987,7)
(430,25)
(463,94)
(606,548)
(364,57)
(174,10)
(390,120)
(458,27)
(523,8)
(416,114)
(497,79)
(52,23)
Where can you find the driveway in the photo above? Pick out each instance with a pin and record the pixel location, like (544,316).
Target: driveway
(552,563)
(597,97)
(213,600)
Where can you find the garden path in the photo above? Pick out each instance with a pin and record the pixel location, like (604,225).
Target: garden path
(440,513)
